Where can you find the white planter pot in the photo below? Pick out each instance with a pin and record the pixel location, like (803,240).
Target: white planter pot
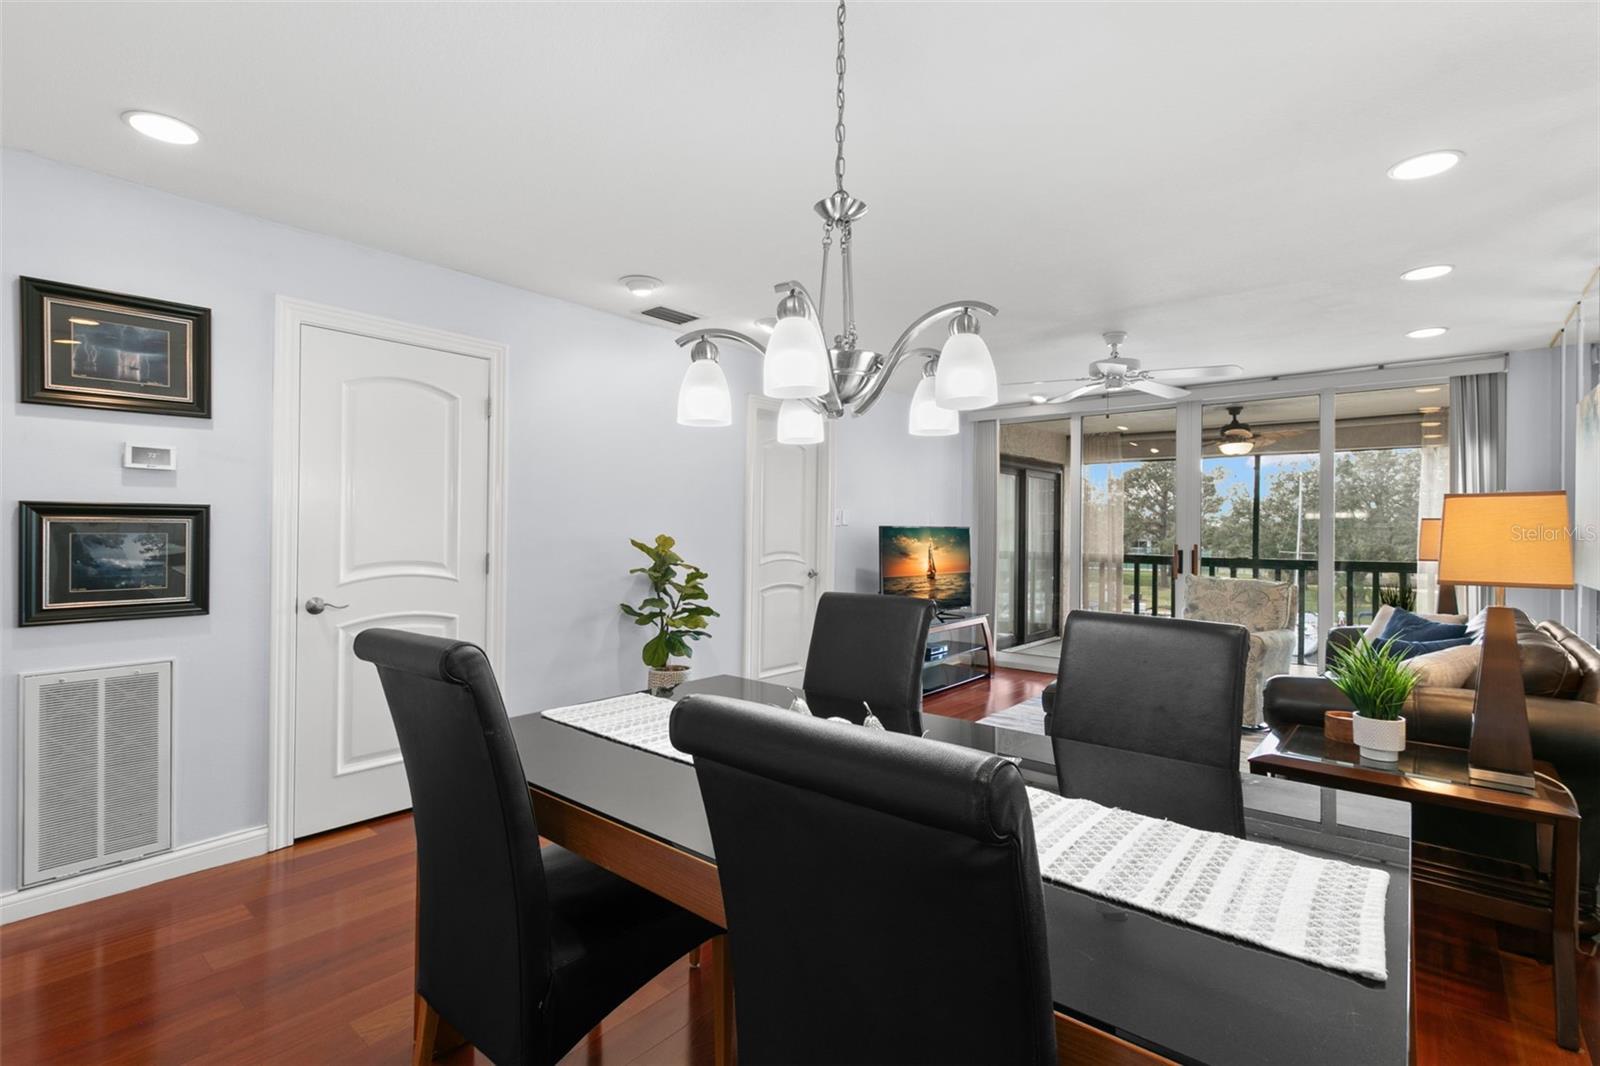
(1379,740)
(662,681)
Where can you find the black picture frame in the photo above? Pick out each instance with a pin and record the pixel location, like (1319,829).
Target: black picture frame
(137,354)
(101,562)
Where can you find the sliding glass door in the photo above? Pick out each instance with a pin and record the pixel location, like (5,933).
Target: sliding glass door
(1237,486)
(1028,574)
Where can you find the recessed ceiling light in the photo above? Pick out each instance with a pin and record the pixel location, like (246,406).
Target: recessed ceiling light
(1124,429)
(1432,436)
(1037,398)
(1425,165)
(1430,425)
(1427,331)
(1429,410)
(162,128)
(640,284)
(1155,451)
(1427,273)
(1430,388)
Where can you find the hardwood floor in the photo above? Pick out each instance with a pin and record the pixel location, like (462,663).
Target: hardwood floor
(304,956)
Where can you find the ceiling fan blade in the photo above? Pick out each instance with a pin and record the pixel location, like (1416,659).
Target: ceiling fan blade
(1155,388)
(1081,390)
(1197,373)
(1041,381)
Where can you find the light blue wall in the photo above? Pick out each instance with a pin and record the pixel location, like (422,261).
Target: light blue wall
(595,456)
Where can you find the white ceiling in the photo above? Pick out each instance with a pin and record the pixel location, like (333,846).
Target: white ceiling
(1207,176)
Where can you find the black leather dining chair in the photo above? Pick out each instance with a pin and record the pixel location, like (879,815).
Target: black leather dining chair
(882,891)
(521,950)
(1146,716)
(869,648)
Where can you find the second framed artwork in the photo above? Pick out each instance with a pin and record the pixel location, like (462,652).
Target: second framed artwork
(97,562)
(89,348)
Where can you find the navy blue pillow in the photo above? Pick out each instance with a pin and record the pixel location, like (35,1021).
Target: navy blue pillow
(1410,649)
(1413,627)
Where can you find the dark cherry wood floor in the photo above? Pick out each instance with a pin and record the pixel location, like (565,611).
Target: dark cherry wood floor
(304,956)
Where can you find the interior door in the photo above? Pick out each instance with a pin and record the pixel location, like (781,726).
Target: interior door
(393,532)
(786,550)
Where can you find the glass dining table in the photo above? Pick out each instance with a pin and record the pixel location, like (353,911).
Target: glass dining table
(1149,983)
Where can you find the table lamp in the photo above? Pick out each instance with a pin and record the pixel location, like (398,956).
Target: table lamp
(1428,552)
(1503,539)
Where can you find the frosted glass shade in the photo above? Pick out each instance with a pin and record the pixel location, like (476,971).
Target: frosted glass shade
(966,379)
(799,423)
(703,397)
(1506,539)
(927,418)
(1236,447)
(796,365)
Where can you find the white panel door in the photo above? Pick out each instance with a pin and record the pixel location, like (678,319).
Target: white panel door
(785,547)
(786,520)
(394,500)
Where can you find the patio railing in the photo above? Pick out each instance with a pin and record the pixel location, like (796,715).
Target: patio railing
(1361,581)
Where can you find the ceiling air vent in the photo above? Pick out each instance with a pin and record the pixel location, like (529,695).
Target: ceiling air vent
(668,314)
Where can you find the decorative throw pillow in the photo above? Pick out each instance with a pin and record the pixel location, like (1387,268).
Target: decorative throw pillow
(1410,649)
(1413,627)
(1449,668)
(1386,612)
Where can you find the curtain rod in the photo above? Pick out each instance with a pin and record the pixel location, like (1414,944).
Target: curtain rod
(1584,295)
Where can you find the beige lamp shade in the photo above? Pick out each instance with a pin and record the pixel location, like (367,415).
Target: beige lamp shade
(1428,540)
(1507,539)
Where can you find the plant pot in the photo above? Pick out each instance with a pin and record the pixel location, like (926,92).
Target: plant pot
(663,679)
(1336,726)
(1379,740)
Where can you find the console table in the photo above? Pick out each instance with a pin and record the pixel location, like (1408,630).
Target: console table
(1435,774)
(940,674)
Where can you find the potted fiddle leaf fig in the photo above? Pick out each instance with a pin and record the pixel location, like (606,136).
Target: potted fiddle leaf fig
(676,607)
(1377,680)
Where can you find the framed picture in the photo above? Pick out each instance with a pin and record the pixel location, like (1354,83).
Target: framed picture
(87,348)
(98,562)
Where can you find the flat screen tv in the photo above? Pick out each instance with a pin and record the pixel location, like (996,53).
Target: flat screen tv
(928,562)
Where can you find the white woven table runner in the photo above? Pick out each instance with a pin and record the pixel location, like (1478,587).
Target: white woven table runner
(1320,910)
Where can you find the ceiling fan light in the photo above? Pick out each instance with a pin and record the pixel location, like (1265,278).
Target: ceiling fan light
(796,364)
(799,423)
(966,379)
(1236,447)
(927,418)
(703,398)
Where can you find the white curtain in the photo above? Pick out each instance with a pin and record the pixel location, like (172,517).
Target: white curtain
(1477,451)
(1433,480)
(1102,523)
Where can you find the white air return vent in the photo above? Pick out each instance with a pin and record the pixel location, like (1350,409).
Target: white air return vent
(96,775)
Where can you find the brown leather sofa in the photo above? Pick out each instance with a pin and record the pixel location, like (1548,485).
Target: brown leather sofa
(1561,675)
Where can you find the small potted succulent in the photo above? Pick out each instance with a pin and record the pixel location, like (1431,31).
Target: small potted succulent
(677,609)
(1377,681)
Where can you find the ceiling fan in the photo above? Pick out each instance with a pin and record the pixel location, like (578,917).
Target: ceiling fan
(1118,373)
(1238,438)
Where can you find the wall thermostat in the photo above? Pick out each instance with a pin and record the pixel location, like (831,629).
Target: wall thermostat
(150,457)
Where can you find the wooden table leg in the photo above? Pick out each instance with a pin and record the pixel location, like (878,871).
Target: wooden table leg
(1564,931)
(722,1007)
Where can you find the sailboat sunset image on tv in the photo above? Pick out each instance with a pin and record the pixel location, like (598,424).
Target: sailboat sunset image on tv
(928,562)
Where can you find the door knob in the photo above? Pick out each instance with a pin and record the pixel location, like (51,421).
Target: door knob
(316,605)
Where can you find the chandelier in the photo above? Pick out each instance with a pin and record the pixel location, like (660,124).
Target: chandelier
(817,381)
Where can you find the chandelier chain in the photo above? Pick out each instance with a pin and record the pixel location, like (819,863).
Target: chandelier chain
(838,99)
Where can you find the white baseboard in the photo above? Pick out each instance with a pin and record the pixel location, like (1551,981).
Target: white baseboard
(191,858)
